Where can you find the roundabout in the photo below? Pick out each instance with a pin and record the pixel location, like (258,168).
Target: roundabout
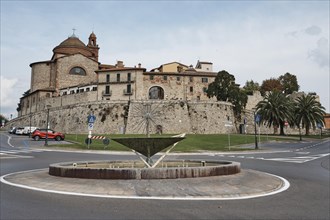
(244,185)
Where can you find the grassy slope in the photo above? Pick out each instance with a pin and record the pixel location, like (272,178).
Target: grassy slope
(192,143)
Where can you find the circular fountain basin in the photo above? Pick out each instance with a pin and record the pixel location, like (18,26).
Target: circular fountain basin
(137,170)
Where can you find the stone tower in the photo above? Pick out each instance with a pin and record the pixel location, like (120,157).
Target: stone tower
(92,45)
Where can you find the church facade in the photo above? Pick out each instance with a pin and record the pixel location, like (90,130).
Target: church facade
(74,68)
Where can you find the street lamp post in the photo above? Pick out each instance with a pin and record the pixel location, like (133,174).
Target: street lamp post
(46,139)
(255,131)
(30,125)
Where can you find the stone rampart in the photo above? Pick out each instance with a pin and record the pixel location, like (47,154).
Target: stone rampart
(112,117)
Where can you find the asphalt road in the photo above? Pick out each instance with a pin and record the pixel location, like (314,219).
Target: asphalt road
(305,165)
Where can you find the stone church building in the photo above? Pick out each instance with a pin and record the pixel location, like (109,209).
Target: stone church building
(74,68)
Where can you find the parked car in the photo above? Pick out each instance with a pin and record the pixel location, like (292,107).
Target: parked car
(27,130)
(12,130)
(41,134)
(19,130)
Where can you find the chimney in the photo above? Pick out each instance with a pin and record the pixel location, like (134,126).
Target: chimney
(139,65)
(119,64)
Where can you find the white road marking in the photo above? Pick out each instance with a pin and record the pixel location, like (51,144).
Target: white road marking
(8,141)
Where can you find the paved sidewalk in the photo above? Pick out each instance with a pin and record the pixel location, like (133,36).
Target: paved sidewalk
(247,184)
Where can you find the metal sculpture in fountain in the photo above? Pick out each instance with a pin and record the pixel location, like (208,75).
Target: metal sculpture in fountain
(146,115)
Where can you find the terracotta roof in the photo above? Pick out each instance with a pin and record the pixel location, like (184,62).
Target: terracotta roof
(185,73)
(120,69)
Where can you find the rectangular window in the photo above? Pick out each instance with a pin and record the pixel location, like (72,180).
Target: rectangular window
(128,77)
(108,78)
(118,77)
(88,89)
(204,89)
(129,88)
(190,79)
(164,77)
(107,90)
(178,78)
(151,77)
(81,90)
(205,80)
(94,88)
(191,89)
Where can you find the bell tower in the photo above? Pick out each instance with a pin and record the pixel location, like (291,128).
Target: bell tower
(92,45)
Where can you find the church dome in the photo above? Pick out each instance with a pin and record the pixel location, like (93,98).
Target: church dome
(72,41)
(72,45)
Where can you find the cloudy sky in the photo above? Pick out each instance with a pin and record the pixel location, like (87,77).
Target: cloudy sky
(253,40)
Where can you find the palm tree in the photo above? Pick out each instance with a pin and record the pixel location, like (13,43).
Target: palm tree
(308,112)
(275,110)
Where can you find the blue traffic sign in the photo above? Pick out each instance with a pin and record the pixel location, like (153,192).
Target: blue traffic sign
(258,118)
(91,118)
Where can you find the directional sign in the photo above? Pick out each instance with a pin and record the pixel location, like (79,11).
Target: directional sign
(90,126)
(91,118)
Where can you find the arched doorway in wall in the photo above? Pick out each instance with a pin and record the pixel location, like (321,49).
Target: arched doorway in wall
(156,92)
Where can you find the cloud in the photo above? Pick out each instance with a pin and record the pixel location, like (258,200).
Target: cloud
(313,30)
(321,53)
(7,91)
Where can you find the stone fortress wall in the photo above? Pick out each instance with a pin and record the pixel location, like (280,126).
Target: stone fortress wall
(69,113)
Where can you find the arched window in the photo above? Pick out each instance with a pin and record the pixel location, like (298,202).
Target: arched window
(78,71)
(156,92)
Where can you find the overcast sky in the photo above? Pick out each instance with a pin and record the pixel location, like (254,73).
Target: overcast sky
(253,40)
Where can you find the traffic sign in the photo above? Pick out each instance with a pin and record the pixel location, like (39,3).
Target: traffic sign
(90,126)
(91,118)
(257,118)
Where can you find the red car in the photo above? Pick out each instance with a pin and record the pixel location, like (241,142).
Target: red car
(41,133)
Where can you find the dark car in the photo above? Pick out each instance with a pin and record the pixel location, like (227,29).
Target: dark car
(41,133)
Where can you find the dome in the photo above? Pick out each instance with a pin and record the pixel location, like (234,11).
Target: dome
(72,42)
(72,45)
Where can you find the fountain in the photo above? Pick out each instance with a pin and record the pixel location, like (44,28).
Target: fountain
(145,147)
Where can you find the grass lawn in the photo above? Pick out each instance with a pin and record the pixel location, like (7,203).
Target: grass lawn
(192,143)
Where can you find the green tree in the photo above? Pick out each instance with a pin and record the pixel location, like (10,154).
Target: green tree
(238,98)
(275,110)
(225,89)
(289,83)
(308,112)
(269,85)
(251,86)
(222,86)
